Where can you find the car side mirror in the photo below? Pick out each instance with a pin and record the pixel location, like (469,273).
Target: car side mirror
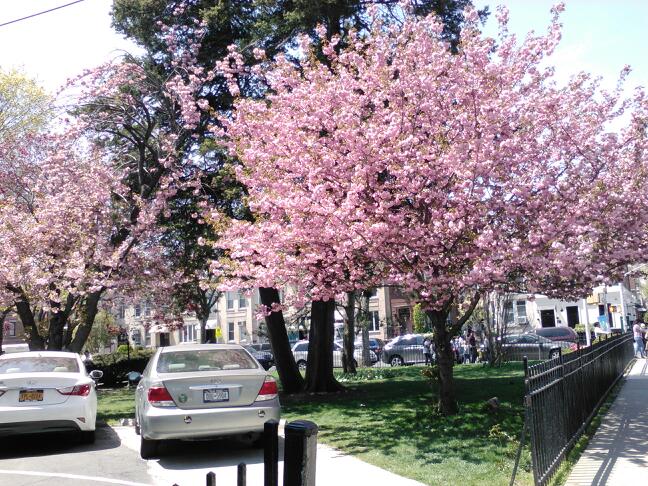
(96,374)
(134,377)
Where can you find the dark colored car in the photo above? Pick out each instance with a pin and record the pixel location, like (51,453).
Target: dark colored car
(534,347)
(265,358)
(375,344)
(560,333)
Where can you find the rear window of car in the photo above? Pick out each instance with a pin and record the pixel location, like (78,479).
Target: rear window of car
(39,364)
(205,360)
(301,347)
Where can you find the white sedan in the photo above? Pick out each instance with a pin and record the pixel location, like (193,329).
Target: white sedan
(47,391)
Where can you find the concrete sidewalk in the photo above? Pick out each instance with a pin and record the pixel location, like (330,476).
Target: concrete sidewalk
(618,453)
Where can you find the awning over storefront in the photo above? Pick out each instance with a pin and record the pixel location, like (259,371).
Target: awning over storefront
(212,324)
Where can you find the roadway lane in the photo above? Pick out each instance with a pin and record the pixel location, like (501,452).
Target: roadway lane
(55,460)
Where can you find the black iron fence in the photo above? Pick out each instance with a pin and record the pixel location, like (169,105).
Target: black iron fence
(563,394)
(300,456)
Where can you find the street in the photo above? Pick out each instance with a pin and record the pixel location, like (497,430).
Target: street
(114,459)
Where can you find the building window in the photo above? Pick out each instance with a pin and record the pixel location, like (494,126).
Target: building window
(230,331)
(11,328)
(242,301)
(189,334)
(230,300)
(374,322)
(121,313)
(243,334)
(136,336)
(520,310)
(147,338)
(373,293)
(509,317)
(138,310)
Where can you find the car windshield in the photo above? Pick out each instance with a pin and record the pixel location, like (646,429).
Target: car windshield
(205,360)
(39,364)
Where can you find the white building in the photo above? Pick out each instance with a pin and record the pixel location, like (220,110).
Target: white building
(605,307)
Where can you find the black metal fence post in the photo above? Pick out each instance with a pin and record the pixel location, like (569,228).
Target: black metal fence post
(525,362)
(300,453)
(271,453)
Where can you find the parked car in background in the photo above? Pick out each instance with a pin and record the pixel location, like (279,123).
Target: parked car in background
(559,333)
(375,344)
(534,347)
(261,346)
(265,358)
(300,351)
(403,350)
(202,390)
(47,391)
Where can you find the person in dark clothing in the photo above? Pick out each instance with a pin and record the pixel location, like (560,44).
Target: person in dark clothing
(427,351)
(472,343)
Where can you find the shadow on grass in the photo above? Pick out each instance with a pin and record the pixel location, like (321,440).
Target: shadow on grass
(395,418)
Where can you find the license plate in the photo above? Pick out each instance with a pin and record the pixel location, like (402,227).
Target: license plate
(215,395)
(30,396)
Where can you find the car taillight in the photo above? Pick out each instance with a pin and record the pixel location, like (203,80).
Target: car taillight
(77,390)
(268,390)
(159,396)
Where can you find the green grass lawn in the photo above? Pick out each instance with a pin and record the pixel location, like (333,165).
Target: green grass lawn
(388,421)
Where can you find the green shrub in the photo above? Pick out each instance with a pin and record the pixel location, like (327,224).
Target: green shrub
(116,366)
(124,348)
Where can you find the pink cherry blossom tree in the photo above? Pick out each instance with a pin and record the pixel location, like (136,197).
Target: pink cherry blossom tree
(396,162)
(79,212)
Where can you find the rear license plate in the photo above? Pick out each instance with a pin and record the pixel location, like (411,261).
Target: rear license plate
(30,396)
(215,395)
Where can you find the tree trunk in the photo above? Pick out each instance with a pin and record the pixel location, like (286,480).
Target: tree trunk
(56,324)
(26,315)
(348,350)
(319,369)
(84,328)
(364,324)
(291,379)
(445,360)
(203,328)
(3,316)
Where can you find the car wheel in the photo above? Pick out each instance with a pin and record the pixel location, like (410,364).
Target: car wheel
(396,361)
(554,354)
(301,364)
(87,437)
(148,448)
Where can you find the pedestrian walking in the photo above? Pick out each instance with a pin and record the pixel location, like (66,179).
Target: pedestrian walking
(427,351)
(638,340)
(472,344)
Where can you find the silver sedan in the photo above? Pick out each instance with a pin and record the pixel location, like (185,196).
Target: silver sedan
(203,390)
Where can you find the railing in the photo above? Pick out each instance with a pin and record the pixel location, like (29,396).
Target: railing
(300,455)
(562,396)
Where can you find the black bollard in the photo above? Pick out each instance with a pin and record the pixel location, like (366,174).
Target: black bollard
(241,478)
(271,453)
(300,453)
(211,479)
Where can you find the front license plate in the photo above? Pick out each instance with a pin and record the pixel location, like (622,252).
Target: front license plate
(216,395)
(30,396)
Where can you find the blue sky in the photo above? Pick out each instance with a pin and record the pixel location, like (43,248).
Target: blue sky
(600,36)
